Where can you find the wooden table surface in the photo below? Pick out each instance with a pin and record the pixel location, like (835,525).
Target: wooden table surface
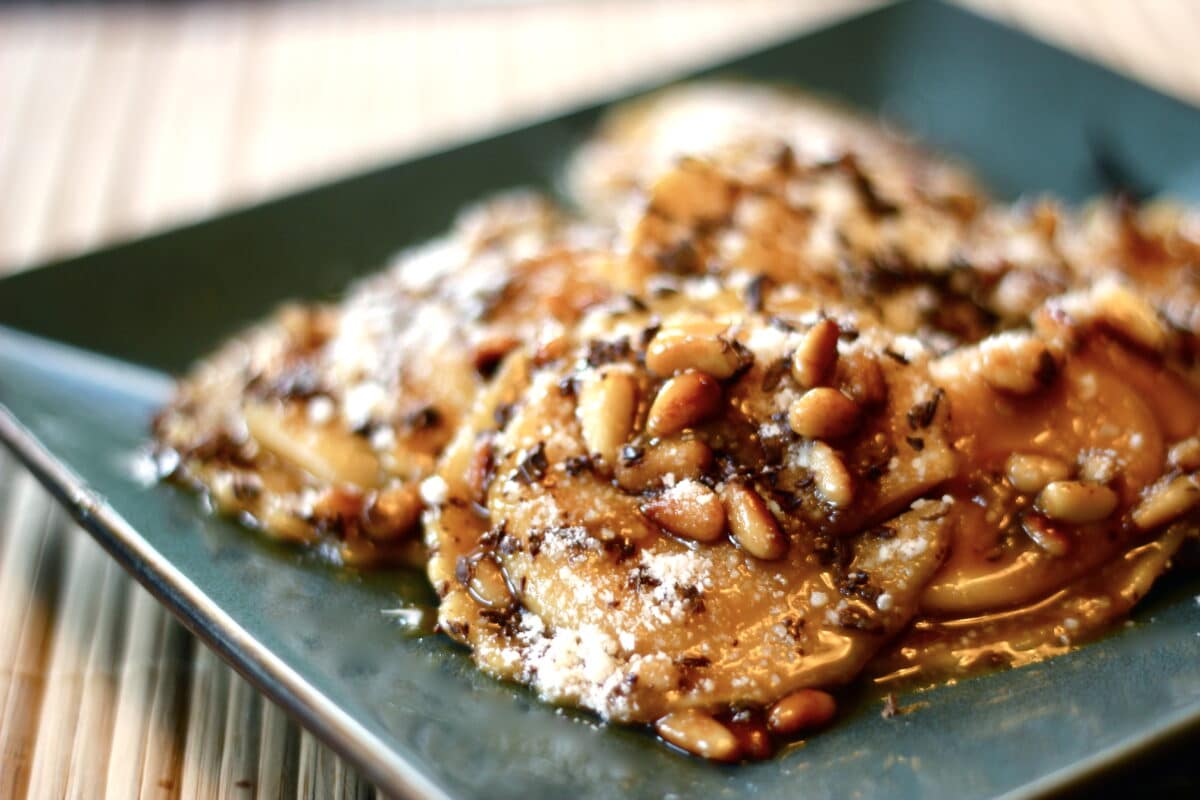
(115,121)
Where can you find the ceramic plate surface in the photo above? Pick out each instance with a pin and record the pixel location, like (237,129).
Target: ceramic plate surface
(413,712)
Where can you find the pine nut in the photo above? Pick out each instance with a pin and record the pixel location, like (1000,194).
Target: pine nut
(692,346)
(338,505)
(832,478)
(814,359)
(682,458)
(1185,455)
(607,405)
(754,739)
(1077,502)
(485,580)
(682,402)
(283,523)
(823,413)
(752,523)
(689,509)
(330,454)
(699,733)
(1167,500)
(392,513)
(479,471)
(802,710)
(551,348)
(862,379)
(1045,535)
(1028,472)
(1129,316)
(1016,363)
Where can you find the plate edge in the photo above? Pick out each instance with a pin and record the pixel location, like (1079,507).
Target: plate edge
(207,621)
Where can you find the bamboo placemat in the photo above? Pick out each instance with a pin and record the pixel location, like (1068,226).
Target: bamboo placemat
(116,121)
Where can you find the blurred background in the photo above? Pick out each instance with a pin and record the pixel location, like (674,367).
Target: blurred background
(116,120)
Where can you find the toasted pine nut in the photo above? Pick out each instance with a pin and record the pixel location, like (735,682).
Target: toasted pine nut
(1029,472)
(551,348)
(1077,502)
(683,401)
(329,453)
(753,738)
(689,509)
(337,504)
(814,359)
(682,458)
(752,523)
(283,523)
(480,469)
(699,733)
(802,710)
(1185,455)
(1045,535)
(392,513)
(607,404)
(1016,363)
(485,580)
(862,378)
(1127,314)
(832,478)
(1167,500)
(692,346)
(223,495)
(823,413)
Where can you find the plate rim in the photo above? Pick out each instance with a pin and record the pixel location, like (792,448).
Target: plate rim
(205,619)
(390,772)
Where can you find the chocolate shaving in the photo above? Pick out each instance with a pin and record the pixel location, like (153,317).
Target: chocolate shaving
(505,619)
(641,579)
(694,662)
(859,620)
(577,465)
(533,465)
(423,418)
(680,258)
(503,414)
(692,597)
(921,415)
(1047,369)
(600,352)
(754,294)
(632,455)
(649,332)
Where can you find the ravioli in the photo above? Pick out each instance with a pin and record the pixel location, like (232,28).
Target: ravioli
(647,550)
(320,425)
(601,605)
(784,401)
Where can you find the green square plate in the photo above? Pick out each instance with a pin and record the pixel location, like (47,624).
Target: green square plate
(412,712)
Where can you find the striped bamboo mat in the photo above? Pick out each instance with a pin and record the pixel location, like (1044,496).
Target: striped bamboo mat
(115,121)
